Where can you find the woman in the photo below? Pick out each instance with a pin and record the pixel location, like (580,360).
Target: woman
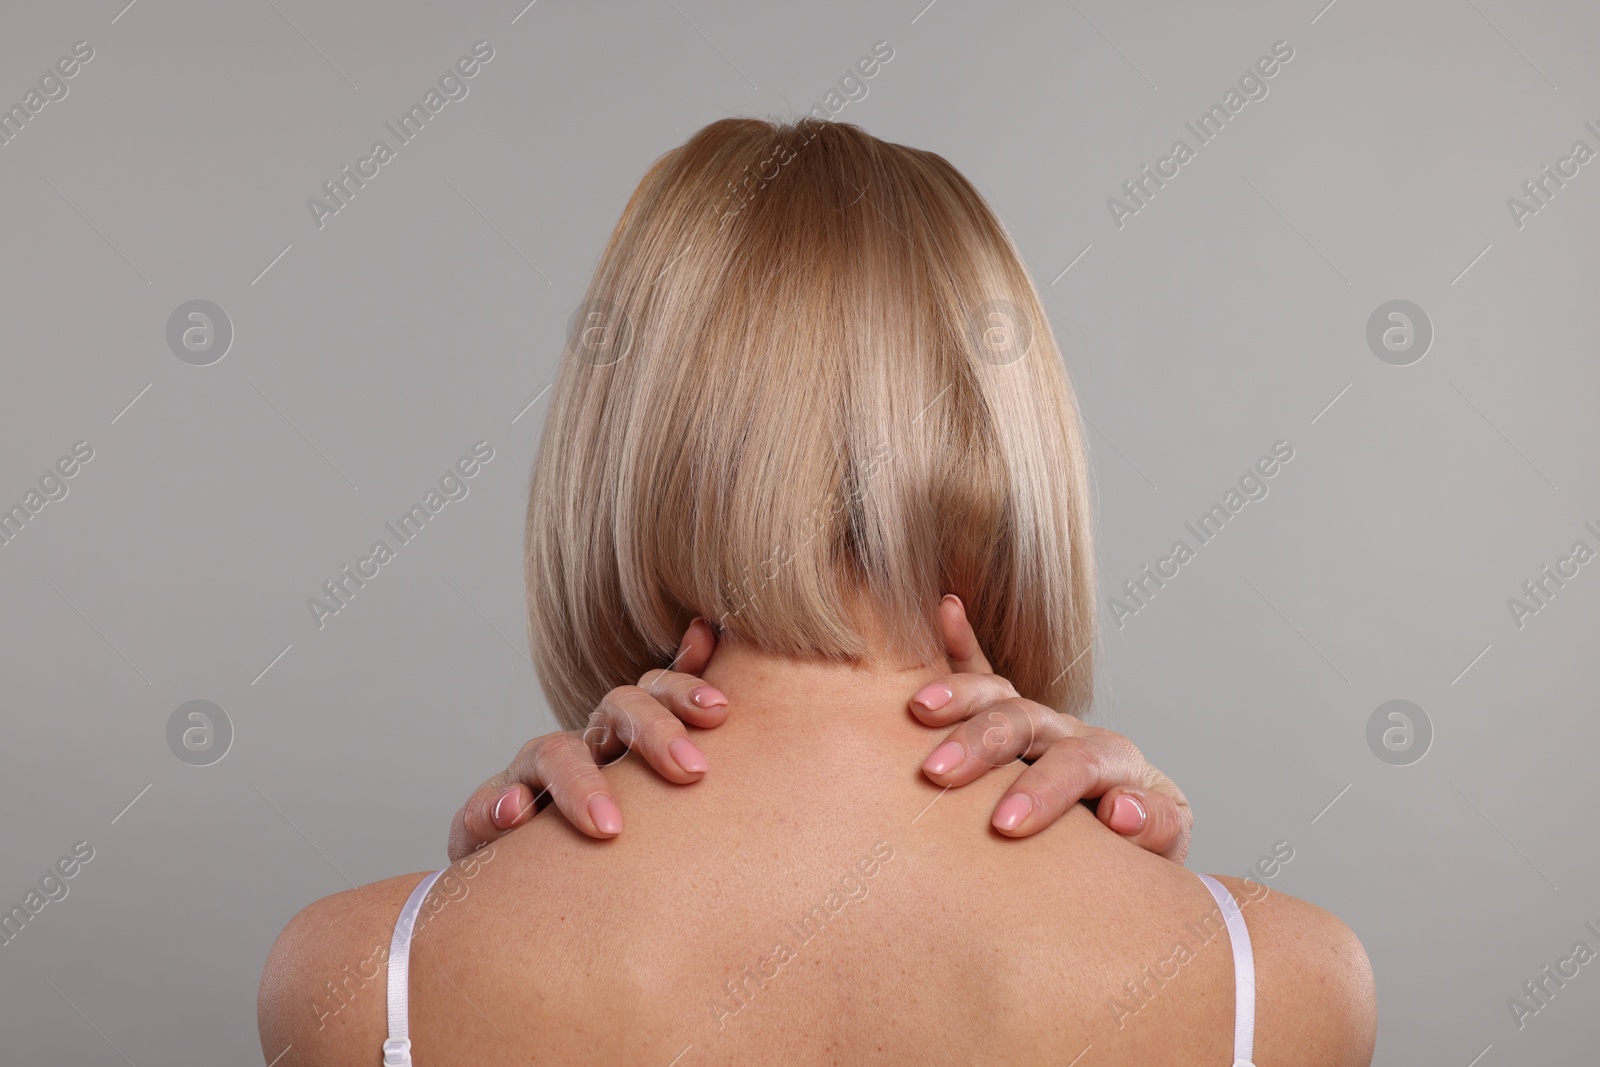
(812,391)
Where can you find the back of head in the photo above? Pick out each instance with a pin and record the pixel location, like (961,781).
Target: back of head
(811,383)
(811,390)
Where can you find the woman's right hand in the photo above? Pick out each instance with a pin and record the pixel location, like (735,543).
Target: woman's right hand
(564,767)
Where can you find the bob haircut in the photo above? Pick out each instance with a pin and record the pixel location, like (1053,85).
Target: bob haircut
(810,390)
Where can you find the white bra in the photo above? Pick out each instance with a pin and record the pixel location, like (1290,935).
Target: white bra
(397,1049)
(1244,973)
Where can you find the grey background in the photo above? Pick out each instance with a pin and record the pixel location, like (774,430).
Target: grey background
(427,315)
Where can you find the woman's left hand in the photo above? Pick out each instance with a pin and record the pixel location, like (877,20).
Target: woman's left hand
(1071,761)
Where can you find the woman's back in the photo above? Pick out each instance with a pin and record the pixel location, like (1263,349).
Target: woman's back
(816,900)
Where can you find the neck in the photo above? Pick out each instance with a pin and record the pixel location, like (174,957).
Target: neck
(871,693)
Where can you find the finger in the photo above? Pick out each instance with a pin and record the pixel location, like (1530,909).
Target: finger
(492,810)
(694,651)
(687,697)
(1152,820)
(561,766)
(959,696)
(513,806)
(999,735)
(640,721)
(1069,770)
(472,827)
(960,643)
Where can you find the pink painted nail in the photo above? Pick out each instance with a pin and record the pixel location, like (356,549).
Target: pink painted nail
(705,696)
(1012,810)
(934,695)
(503,816)
(946,757)
(1127,814)
(688,756)
(607,819)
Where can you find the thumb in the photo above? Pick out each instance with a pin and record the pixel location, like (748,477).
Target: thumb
(493,809)
(694,651)
(960,643)
(1151,820)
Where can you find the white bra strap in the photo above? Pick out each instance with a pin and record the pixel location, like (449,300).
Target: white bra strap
(397,1050)
(1244,973)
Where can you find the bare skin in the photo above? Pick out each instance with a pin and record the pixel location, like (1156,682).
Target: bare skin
(1072,761)
(721,928)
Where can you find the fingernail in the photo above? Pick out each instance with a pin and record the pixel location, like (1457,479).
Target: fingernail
(688,756)
(934,695)
(706,697)
(607,819)
(503,816)
(1012,810)
(947,756)
(1127,814)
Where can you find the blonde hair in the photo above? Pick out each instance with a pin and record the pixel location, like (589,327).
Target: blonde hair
(810,374)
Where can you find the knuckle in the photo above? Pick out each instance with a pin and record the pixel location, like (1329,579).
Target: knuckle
(1053,789)
(562,759)
(987,691)
(623,696)
(1127,749)
(1071,767)
(1072,726)
(624,708)
(1078,752)
(646,712)
(1161,784)
(1096,754)
(525,768)
(1045,724)
(530,752)
(999,733)
(674,682)
(1014,708)
(661,728)
(615,697)
(597,731)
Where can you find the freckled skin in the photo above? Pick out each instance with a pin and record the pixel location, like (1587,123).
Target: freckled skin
(960,946)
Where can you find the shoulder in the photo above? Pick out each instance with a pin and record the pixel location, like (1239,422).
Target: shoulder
(1312,966)
(323,989)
